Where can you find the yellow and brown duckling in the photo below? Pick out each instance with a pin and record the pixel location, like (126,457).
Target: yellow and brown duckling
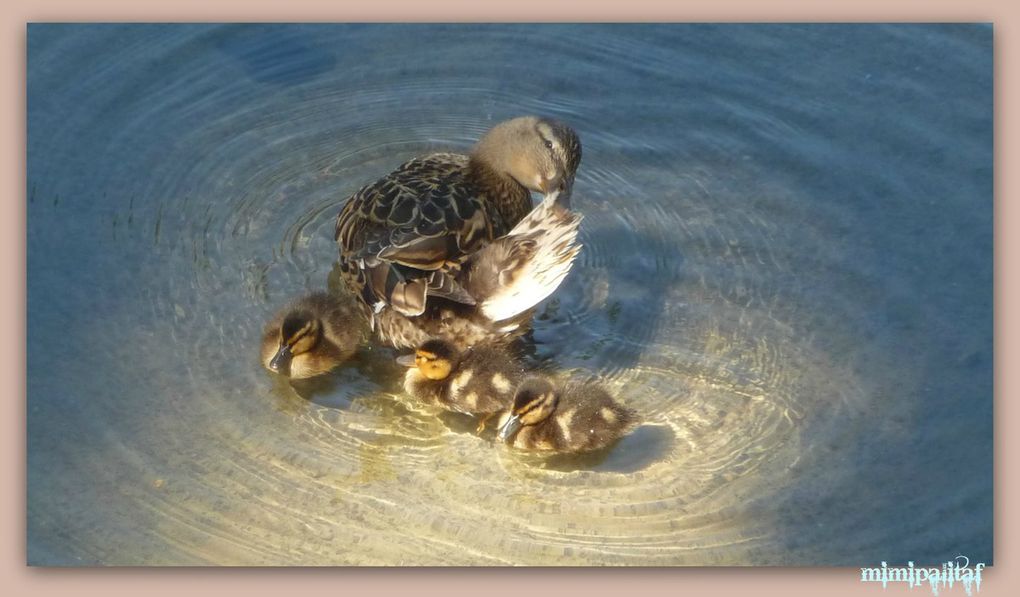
(578,417)
(478,381)
(405,237)
(312,336)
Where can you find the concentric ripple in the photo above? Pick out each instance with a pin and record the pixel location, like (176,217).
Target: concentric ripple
(766,278)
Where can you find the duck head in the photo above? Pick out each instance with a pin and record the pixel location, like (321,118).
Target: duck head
(300,333)
(534,402)
(435,359)
(541,154)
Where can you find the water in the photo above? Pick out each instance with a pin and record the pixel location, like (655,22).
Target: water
(787,272)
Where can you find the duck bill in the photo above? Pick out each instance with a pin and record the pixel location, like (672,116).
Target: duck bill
(560,195)
(509,428)
(281,360)
(566,189)
(406,360)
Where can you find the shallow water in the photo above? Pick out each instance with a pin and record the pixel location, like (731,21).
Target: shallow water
(787,271)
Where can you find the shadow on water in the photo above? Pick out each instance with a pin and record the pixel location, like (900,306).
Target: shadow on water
(643,447)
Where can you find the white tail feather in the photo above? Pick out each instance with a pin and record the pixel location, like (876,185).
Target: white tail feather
(554,230)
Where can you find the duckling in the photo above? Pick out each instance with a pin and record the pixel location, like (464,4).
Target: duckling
(405,237)
(312,336)
(477,381)
(578,417)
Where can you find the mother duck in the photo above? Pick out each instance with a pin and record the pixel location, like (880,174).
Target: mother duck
(426,231)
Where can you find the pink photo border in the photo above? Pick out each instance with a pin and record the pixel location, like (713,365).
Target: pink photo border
(18,579)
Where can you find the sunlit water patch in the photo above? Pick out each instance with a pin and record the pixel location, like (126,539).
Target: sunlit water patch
(786,272)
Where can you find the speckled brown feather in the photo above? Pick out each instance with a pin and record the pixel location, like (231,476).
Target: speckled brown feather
(404,236)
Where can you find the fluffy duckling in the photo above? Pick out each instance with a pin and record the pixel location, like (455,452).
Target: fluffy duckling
(578,417)
(477,381)
(312,336)
(405,237)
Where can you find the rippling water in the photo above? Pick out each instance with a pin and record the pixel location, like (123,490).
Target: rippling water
(787,272)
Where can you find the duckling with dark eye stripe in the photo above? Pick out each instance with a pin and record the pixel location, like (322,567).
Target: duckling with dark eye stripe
(578,417)
(478,381)
(312,336)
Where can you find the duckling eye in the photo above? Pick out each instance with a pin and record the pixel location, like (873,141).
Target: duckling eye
(548,144)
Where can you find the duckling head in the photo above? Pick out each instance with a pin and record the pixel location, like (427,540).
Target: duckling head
(539,153)
(534,402)
(300,333)
(435,359)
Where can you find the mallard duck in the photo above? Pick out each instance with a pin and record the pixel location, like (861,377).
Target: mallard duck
(476,381)
(407,236)
(313,335)
(578,417)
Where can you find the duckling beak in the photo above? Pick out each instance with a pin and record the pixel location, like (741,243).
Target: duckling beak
(281,359)
(406,360)
(509,428)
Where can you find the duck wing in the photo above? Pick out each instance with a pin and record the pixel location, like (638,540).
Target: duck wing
(404,236)
(519,270)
